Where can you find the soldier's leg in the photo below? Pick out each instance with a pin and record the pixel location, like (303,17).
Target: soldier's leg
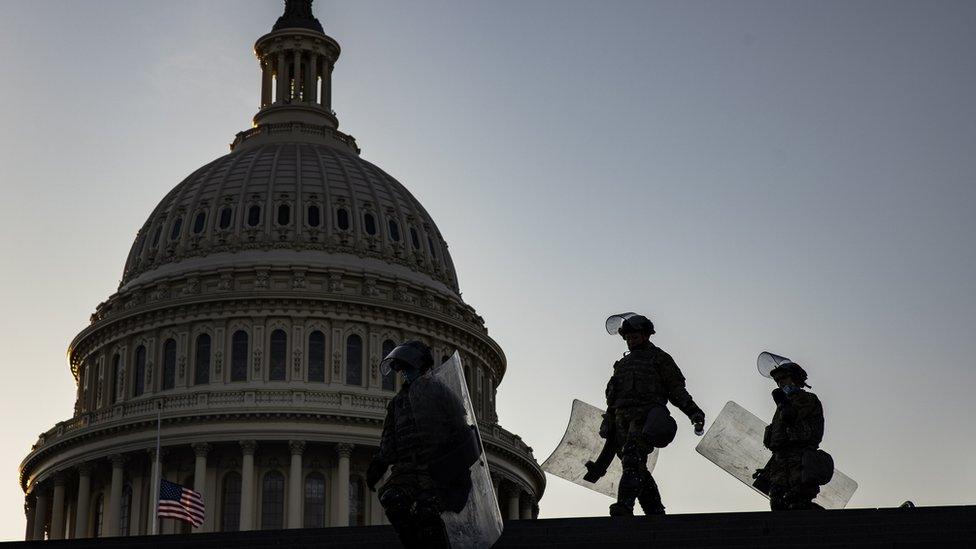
(398,504)
(777,498)
(630,480)
(431,530)
(650,496)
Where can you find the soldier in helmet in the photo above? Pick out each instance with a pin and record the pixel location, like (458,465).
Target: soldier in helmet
(793,436)
(428,447)
(637,420)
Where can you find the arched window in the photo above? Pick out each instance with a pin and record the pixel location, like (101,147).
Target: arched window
(230,503)
(284,214)
(389,380)
(354,360)
(202,360)
(174,233)
(316,356)
(113,379)
(278,356)
(314,216)
(273,501)
(169,364)
(99,515)
(238,356)
(139,383)
(254,215)
(342,219)
(199,222)
(414,238)
(126,511)
(369,222)
(315,501)
(394,230)
(226,216)
(357,501)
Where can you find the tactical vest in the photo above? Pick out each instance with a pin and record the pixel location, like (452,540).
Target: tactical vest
(636,381)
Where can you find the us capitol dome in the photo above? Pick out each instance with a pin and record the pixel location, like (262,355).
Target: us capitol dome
(255,306)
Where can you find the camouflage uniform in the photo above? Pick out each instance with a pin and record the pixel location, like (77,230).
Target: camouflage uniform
(797,426)
(423,421)
(644,378)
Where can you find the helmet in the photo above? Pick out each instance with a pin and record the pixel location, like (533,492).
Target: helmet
(409,355)
(773,366)
(625,323)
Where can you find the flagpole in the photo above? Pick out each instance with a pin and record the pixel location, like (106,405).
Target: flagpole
(155,475)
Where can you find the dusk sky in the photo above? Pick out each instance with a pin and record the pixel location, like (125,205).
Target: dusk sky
(798,177)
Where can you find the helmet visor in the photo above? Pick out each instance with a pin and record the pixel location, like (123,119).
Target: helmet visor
(616,321)
(767,362)
(401,357)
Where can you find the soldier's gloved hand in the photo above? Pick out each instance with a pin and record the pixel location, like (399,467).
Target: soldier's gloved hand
(375,471)
(779,396)
(593,473)
(698,420)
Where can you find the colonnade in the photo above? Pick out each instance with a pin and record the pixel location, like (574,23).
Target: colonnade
(113,495)
(296,76)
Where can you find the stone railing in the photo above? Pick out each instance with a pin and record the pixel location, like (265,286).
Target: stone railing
(295,127)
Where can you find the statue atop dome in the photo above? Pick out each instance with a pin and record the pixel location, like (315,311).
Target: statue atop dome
(298,14)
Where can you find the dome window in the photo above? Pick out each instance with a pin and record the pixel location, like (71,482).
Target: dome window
(316,356)
(394,231)
(284,214)
(254,215)
(315,501)
(414,238)
(273,501)
(138,385)
(174,233)
(230,520)
(226,215)
(354,360)
(279,352)
(314,216)
(389,380)
(199,223)
(202,366)
(238,356)
(342,219)
(370,224)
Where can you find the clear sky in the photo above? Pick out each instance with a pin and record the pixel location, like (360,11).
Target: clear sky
(791,176)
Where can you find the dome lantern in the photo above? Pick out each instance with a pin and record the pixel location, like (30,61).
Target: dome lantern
(297,59)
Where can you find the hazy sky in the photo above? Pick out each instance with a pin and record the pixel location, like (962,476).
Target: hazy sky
(791,176)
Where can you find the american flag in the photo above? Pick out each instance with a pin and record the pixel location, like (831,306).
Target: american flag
(180,503)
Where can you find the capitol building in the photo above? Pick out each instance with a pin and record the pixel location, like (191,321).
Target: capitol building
(256,303)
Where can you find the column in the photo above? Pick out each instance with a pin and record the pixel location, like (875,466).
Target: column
(513,504)
(297,88)
(200,451)
(57,511)
(344,450)
(265,83)
(297,447)
(326,93)
(114,511)
(84,500)
(311,80)
(248,448)
(40,513)
(282,94)
(29,507)
(528,503)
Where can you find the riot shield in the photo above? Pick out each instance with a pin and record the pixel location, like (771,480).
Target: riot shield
(581,443)
(767,362)
(734,442)
(479,523)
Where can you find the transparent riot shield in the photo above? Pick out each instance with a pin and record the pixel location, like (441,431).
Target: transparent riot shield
(479,524)
(734,442)
(581,443)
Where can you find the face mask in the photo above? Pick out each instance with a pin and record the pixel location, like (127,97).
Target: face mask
(790,389)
